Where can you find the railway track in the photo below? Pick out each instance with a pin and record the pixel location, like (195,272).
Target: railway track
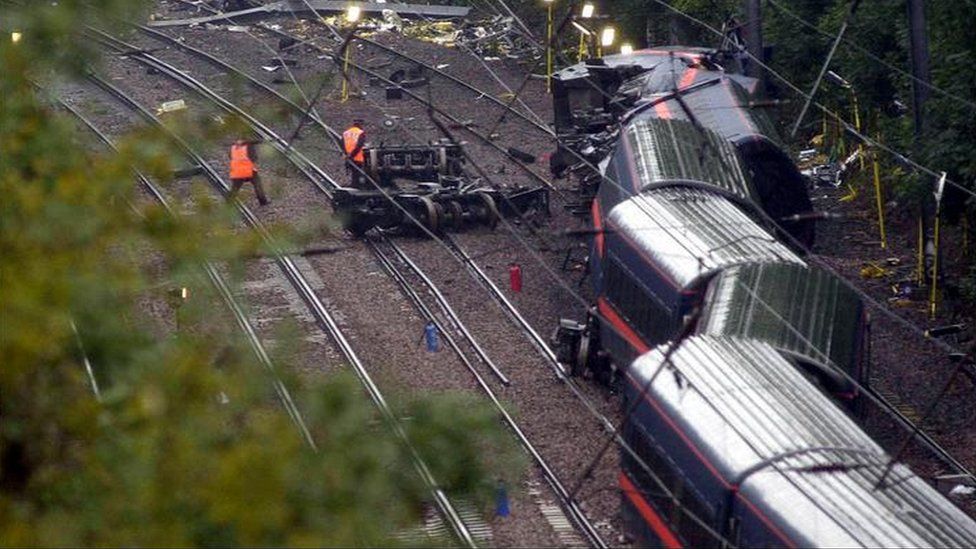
(450,515)
(325,184)
(222,288)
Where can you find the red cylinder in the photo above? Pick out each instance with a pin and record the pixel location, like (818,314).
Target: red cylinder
(515,277)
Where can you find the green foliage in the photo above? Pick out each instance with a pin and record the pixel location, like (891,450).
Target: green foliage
(188,445)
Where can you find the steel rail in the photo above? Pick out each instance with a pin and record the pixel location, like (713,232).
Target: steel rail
(538,341)
(446,307)
(543,347)
(216,279)
(562,494)
(323,317)
(569,504)
(423,101)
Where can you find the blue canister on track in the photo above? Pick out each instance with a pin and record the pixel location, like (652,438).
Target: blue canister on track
(430,336)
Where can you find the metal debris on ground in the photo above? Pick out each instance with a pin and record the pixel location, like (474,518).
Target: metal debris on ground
(873,270)
(171,106)
(497,36)
(821,171)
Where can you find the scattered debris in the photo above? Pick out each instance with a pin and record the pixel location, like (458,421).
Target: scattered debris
(171,106)
(391,21)
(961,491)
(236,28)
(873,270)
(270,68)
(820,170)
(495,38)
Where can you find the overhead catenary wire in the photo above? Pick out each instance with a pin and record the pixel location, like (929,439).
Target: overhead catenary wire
(838,118)
(939,343)
(884,310)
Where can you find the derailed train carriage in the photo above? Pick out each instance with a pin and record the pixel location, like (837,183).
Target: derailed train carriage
(699,219)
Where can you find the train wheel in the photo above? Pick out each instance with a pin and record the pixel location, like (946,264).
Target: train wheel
(454,215)
(582,357)
(490,216)
(429,214)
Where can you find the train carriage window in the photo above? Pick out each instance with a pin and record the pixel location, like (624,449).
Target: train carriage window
(690,530)
(691,501)
(646,313)
(651,455)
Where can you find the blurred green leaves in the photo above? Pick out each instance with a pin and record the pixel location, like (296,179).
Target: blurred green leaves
(188,445)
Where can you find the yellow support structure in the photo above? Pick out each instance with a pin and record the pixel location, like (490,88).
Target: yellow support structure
(920,275)
(879,200)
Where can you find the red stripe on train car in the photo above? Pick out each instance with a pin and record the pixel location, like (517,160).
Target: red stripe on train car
(653,519)
(598,227)
(708,464)
(622,328)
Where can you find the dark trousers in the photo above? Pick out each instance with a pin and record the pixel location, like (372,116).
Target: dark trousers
(236,185)
(357,171)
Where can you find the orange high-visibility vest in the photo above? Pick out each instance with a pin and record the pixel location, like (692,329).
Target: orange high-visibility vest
(350,138)
(241,166)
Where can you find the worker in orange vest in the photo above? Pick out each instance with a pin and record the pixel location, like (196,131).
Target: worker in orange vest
(353,142)
(243,169)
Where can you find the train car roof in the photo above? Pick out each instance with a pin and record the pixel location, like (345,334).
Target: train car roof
(722,101)
(806,312)
(667,150)
(791,452)
(690,232)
